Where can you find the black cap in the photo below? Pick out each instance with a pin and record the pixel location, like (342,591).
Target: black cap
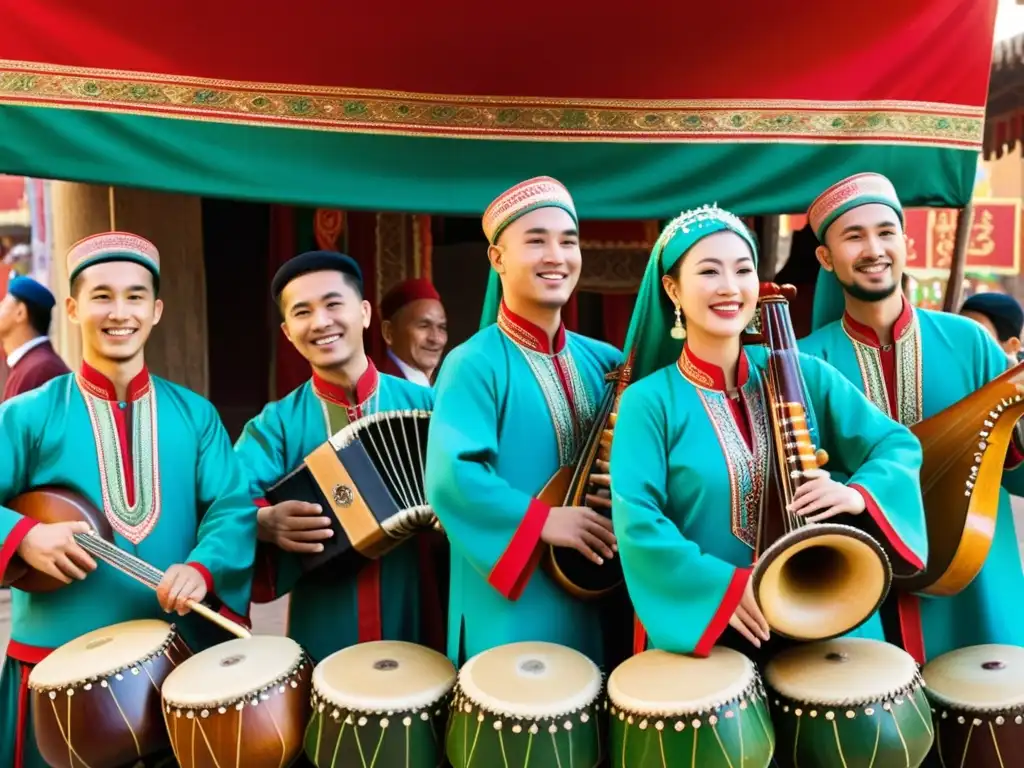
(1004,312)
(314,261)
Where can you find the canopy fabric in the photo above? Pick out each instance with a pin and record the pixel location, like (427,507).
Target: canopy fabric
(641,110)
(1004,124)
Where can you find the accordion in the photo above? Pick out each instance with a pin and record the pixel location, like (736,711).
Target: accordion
(369,480)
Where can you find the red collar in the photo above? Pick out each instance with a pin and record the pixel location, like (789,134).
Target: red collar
(708,375)
(365,387)
(523,332)
(100,386)
(866,335)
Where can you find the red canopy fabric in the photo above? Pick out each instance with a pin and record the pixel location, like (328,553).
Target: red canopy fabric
(650,98)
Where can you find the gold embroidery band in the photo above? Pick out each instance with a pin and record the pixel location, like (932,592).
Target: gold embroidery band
(361,110)
(348,505)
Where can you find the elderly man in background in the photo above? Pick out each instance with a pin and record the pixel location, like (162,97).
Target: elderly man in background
(415,328)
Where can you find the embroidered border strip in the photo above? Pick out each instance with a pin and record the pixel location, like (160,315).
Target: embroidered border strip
(458,116)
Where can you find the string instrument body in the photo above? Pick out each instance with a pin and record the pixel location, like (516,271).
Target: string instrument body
(50,504)
(965,447)
(568,487)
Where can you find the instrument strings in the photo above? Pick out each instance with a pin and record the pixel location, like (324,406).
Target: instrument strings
(790,417)
(116,557)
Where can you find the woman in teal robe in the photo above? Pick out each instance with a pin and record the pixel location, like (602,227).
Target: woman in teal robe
(935,360)
(188,503)
(691,451)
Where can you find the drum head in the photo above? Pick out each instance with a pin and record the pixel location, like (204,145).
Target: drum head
(660,683)
(101,653)
(847,670)
(384,676)
(980,678)
(530,679)
(231,671)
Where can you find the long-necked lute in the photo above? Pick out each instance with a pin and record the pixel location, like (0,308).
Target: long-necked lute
(812,581)
(965,449)
(50,504)
(570,569)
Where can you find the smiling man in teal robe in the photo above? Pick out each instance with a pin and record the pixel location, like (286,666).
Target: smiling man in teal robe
(154,457)
(320,295)
(514,404)
(911,363)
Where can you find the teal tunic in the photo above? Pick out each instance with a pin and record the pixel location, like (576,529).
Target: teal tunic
(687,488)
(191,505)
(382,601)
(936,360)
(508,415)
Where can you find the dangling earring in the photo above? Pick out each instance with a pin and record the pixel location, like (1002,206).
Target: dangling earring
(754,327)
(678,330)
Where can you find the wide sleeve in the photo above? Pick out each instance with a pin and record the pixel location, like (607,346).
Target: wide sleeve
(262,452)
(683,597)
(19,434)
(226,539)
(878,457)
(494,526)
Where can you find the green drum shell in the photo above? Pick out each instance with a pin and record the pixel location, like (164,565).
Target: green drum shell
(337,737)
(736,733)
(892,731)
(478,738)
(972,738)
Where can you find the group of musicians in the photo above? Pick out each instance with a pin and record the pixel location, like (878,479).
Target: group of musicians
(687,475)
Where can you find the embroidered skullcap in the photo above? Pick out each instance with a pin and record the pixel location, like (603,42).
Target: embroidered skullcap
(529,195)
(113,246)
(648,339)
(1003,311)
(315,261)
(406,292)
(31,292)
(852,192)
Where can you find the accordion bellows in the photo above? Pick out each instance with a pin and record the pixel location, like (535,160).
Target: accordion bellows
(369,479)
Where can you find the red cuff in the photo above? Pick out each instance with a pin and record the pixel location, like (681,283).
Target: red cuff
(264,581)
(205,573)
(224,610)
(12,542)
(1014,456)
(512,572)
(718,623)
(261,503)
(879,518)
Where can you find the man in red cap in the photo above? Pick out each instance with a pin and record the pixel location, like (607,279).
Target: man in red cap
(415,329)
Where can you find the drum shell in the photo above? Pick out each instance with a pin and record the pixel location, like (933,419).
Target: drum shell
(981,739)
(411,739)
(477,738)
(115,722)
(892,730)
(735,734)
(263,731)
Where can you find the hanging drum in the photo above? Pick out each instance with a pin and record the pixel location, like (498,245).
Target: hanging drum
(530,703)
(385,699)
(848,701)
(96,699)
(977,697)
(671,710)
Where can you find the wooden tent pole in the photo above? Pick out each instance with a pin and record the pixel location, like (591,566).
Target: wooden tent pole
(955,285)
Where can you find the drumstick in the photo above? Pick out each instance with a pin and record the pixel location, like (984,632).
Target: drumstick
(151,576)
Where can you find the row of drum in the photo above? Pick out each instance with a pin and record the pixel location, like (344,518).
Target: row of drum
(129,691)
